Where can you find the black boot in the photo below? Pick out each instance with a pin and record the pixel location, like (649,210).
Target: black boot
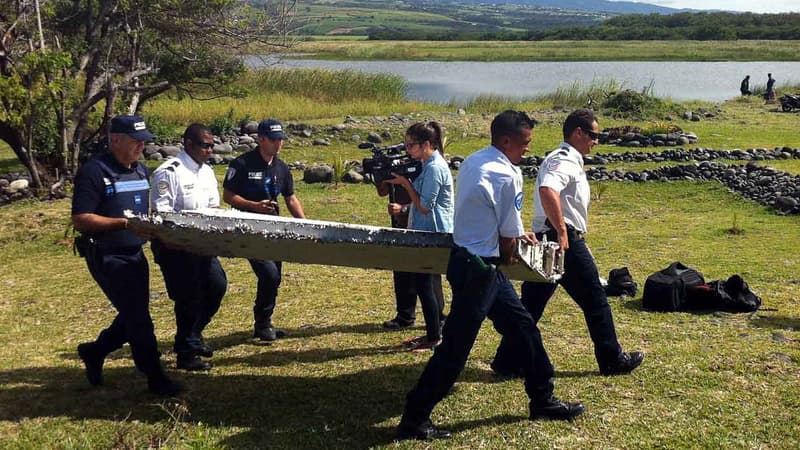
(162,385)
(93,361)
(624,363)
(555,409)
(191,362)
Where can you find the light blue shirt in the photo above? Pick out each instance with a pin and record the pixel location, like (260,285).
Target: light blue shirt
(488,202)
(435,188)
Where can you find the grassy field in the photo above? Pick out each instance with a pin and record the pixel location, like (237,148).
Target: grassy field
(555,50)
(708,381)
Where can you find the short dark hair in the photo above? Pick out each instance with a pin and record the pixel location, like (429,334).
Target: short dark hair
(580,118)
(510,123)
(195,133)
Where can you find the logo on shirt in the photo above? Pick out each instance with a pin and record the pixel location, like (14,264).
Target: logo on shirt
(255,175)
(163,187)
(553,164)
(518,201)
(137,199)
(231,173)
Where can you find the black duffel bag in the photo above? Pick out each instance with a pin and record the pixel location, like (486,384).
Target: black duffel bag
(666,290)
(731,295)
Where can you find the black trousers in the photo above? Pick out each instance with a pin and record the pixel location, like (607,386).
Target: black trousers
(196,284)
(582,282)
(124,277)
(269,280)
(405,295)
(432,304)
(475,297)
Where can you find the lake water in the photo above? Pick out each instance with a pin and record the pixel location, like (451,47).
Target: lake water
(444,81)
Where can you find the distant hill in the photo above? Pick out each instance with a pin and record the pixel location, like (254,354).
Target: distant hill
(600,6)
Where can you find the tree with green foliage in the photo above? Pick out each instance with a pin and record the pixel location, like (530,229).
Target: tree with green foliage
(68,66)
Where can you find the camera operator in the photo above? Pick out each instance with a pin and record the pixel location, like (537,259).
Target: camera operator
(405,291)
(430,209)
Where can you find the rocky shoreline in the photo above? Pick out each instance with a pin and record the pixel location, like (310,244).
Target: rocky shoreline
(765,185)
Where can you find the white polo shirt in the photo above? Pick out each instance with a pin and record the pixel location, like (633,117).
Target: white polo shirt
(180,183)
(488,202)
(562,171)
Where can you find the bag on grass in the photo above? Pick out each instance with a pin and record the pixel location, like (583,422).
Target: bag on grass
(620,282)
(666,290)
(732,295)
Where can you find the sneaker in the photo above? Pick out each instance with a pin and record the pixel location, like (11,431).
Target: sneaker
(625,363)
(164,386)
(555,409)
(269,334)
(93,363)
(396,324)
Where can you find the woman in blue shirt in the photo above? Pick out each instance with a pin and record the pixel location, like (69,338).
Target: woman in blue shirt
(431,209)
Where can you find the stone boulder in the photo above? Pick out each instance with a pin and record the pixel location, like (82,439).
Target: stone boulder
(351,176)
(169,151)
(250,127)
(318,174)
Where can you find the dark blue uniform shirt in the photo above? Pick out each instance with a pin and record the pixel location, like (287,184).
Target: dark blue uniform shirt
(250,177)
(105,188)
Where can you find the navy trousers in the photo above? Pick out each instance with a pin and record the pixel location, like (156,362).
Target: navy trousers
(269,280)
(196,284)
(582,282)
(475,298)
(124,277)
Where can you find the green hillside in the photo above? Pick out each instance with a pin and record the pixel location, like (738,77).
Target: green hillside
(440,20)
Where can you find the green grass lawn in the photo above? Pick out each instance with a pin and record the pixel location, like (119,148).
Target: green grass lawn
(339,380)
(554,50)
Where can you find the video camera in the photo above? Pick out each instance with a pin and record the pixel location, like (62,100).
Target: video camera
(388,160)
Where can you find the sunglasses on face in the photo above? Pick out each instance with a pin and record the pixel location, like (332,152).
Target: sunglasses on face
(592,134)
(205,145)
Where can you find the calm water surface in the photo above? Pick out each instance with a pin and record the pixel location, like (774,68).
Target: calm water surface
(444,81)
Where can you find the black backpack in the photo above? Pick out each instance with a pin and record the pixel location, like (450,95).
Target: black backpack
(620,282)
(732,295)
(666,290)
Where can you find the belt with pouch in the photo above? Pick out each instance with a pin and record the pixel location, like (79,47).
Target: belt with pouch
(572,232)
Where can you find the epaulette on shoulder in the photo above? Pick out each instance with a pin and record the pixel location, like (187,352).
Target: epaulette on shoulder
(173,165)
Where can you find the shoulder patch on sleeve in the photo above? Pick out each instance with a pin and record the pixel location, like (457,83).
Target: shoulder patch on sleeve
(162,187)
(518,201)
(231,173)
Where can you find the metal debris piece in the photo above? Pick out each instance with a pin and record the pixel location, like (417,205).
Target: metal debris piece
(237,234)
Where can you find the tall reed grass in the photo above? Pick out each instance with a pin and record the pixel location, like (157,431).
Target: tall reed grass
(574,95)
(291,94)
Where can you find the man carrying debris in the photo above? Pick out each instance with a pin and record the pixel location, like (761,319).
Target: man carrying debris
(561,209)
(195,283)
(487,226)
(105,187)
(253,182)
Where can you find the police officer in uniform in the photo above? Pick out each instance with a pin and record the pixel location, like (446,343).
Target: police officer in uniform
(105,187)
(561,200)
(195,283)
(486,229)
(253,182)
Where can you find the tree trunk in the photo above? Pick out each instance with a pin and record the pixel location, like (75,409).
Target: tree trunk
(12,137)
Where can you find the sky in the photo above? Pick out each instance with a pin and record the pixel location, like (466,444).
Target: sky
(757,6)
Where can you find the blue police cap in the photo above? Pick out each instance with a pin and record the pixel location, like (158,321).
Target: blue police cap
(271,128)
(133,126)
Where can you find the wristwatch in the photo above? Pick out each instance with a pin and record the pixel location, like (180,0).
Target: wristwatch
(404,209)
